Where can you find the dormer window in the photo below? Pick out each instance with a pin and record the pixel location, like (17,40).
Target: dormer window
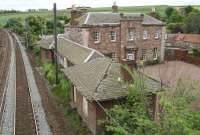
(145,34)
(96,37)
(157,34)
(113,36)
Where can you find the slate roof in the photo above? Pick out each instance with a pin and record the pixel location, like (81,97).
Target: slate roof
(73,51)
(97,79)
(174,38)
(103,18)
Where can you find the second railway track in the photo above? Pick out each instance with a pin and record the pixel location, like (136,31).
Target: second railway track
(24,121)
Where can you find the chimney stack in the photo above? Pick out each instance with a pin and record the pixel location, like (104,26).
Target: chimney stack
(76,12)
(115,8)
(153,9)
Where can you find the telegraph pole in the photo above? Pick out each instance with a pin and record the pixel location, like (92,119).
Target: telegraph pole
(55,41)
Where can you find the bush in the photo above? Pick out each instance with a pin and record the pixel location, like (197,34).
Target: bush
(36,50)
(152,62)
(196,52)
(78,127)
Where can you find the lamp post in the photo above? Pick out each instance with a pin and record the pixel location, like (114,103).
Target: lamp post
(55,41)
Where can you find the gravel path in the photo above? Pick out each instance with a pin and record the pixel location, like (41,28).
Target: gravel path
(8,118)
(40,116)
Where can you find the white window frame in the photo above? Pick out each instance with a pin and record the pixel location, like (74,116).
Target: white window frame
(145,35)
(155,53)
(143,55)
(85,106)
(131,34)
(74,92)
(130,56)
(113,36)
(114,56)
(157,34)
(96,37)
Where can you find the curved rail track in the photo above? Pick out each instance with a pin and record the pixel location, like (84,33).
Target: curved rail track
(21,108)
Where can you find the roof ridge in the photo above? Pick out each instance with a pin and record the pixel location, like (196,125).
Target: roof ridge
(105,73)
(81,45)
(88,15)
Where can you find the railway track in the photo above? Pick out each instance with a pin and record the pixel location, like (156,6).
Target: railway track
(21,107)
(4,59)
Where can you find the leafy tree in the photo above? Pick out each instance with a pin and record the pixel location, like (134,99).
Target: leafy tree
(15,25)
(132,117)
(175,17)
(35,24)
(175,27)
(169,11)
(192,22)
(50,26)
(188,9)
(175,117)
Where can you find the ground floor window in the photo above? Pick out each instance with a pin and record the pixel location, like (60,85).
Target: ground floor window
(143,54)
(85,106)
(130,55)
(114,56)
(155,53)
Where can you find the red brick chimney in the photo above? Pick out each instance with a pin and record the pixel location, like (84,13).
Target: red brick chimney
(76,13)
(125,74)
(115,8)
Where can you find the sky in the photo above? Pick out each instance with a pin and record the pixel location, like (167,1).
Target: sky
(63,4)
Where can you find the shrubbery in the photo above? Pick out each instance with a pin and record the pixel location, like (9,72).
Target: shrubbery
(196,52)
(61,90)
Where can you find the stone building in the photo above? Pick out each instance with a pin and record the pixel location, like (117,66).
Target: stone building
(69,52)
(97,85)
(132,36)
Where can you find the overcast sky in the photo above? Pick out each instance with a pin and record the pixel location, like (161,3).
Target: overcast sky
(62,4)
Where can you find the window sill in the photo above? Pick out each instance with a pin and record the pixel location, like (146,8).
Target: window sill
(96,42)
(113,41)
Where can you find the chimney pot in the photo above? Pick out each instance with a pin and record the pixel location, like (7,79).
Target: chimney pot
(115,7)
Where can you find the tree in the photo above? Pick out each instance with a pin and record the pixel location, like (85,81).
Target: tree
(192,22)
(187,10)
(35,24)
(175,117)
(175,27)
(175,17)
(15,25)
(50,26)
(169,11)
(132,118)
